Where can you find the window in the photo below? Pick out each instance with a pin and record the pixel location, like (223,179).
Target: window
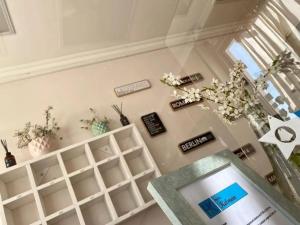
(238,52)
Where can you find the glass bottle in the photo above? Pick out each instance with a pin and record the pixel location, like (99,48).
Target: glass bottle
(286,172)
(10,160)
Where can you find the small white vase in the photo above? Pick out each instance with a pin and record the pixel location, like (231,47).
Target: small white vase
(40,146)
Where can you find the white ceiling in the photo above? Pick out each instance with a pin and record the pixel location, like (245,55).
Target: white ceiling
(50,29)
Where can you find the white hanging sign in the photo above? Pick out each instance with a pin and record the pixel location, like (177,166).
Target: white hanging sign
(285,134)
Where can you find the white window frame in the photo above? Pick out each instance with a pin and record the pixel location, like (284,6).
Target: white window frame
(250,79)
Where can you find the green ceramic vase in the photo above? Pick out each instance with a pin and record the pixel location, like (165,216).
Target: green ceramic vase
(99,128)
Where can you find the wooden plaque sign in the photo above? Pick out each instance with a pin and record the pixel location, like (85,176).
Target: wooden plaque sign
(132,88)
(187,80)
(244,151)
(180,103)
(153,124)
(271,178)
(196,142)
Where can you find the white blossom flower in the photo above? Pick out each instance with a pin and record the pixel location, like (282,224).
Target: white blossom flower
(171,79)
(232,97)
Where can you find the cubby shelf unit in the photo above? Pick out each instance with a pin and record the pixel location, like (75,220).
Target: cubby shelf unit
(101,181)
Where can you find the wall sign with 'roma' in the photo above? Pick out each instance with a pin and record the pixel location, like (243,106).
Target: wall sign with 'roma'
(180,103)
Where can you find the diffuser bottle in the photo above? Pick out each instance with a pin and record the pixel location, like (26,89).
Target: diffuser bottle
(9,159)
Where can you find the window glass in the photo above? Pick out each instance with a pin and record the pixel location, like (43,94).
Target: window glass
(239,52)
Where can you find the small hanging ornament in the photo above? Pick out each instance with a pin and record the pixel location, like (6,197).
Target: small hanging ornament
(285,134)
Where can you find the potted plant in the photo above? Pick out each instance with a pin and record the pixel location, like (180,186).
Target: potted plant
(40,139)
(96,125)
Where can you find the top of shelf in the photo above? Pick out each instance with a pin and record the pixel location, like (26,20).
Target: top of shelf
(108,173)
(68,148)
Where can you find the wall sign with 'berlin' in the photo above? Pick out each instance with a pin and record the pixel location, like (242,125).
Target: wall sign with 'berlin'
(197,141)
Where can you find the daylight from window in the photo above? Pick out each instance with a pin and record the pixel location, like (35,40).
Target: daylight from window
(240,53)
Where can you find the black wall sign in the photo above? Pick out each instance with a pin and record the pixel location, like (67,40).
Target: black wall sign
(271,178)
(187,80)
(180,103)
(197,141)
(153,124)
(244,151)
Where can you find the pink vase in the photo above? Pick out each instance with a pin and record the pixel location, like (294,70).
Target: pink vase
(41,146)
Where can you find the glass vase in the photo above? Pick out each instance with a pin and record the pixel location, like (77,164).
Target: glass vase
(286,172)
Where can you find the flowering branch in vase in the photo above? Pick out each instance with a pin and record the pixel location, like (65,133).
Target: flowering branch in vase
(233,98)
(284,63)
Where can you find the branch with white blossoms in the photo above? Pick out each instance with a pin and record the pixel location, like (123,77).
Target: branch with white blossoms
(171,80)
(232,97)
(284,63)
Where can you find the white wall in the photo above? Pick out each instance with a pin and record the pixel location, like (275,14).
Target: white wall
(72,92)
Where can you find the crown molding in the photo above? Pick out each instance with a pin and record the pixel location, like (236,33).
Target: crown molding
(24,71)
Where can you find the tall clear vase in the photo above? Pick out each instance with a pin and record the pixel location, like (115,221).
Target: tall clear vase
(286,172)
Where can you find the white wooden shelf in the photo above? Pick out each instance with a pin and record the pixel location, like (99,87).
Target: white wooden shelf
(142,183)
(85,184)
(46,170)
(23,211)
(69,217)
(14,183)
(101,181)
(102,148)
(137,161)
(75,159)
(91,212)
(113,172)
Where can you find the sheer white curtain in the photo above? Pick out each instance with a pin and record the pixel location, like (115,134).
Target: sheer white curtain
(271,33)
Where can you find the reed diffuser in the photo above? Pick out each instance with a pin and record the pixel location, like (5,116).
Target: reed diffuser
(9,159)
(123,119)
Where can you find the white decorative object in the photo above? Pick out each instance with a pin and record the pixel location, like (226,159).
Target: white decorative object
(96,182)
(285,134)
(40,146)
(132,88)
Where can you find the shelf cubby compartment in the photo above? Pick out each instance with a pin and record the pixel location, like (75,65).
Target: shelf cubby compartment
(85,184)
(112,172)
(22,211)
(142,183)
(96,212)
(13,183)
(124,199)
(102,148)
(46,170)
(55,198)
(75,159)
(127,139)
(137,161)
(68,218)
